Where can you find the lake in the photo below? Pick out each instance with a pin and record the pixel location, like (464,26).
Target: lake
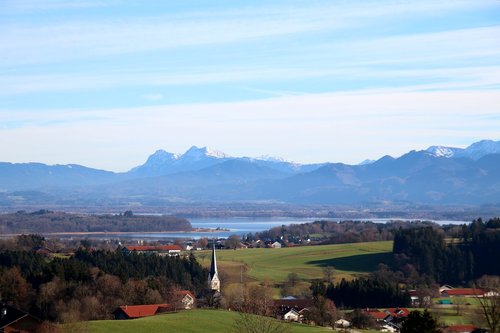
(231,226)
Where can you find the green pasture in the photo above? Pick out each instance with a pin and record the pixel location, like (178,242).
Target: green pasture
(192,321)
(268,264)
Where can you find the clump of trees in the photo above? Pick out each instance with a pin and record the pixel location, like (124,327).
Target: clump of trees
(418,322)
(46,221)
(90,284)
(365,292)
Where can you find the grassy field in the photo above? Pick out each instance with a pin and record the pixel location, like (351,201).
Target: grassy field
(274,265)
(192,321)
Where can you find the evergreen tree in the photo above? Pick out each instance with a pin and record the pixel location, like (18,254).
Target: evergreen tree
(420,322)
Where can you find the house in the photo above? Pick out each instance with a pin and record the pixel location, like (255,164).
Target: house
(444,288)
(459,329)
(378,315)
(342,323)
(462,292)
(397,312)
(185,299)
(292,315)
(418,299)
(391,317)
(15,320)
(161,250)
(388,328)
(291,309)
(139,311)
(276,245)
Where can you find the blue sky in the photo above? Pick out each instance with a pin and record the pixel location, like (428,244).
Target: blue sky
(106,83)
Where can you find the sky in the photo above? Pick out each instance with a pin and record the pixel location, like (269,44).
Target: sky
(105,83)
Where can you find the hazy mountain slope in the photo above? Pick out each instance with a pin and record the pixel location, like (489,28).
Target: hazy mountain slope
(209,175)
(27,176)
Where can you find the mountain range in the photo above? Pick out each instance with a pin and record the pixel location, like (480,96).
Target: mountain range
(437,175)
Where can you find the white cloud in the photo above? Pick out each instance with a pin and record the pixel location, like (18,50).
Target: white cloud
(345,127)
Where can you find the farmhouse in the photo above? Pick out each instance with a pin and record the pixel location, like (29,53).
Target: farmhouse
(139,311)
(161,250)
(391,318)
(291,309)
(15,320)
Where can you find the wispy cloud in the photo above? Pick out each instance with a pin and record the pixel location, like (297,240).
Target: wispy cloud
(47,43)
(153,97)
(447,57)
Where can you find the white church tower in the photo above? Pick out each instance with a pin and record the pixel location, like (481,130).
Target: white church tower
(213,276)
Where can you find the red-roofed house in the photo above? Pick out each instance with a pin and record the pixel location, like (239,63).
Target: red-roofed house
(139,311)
(459,329)
(377,314)
(162,250)
(398,312)
(463,292)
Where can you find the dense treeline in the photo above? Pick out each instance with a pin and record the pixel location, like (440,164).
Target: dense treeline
(45,221)
(333,232)
(469,256)
(91,283)
(366,292)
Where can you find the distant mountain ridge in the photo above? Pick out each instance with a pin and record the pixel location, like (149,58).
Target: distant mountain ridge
(437,175)
(475,151)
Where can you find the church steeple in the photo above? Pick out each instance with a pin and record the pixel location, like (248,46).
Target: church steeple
(213,276)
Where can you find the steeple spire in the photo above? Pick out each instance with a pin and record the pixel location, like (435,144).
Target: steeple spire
(213,276)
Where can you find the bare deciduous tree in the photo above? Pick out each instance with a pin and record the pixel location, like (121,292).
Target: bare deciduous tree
(490,303)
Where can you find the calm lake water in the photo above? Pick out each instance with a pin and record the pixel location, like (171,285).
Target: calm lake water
(231,226)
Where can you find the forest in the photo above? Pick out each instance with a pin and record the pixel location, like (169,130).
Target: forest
(91,283)
(46,221)
(471,254)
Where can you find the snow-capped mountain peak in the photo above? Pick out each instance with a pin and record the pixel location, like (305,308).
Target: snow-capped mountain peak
(269,158)
(161,156)
(197,153)
(442,151)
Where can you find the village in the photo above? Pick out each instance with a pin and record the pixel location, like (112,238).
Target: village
(288,308)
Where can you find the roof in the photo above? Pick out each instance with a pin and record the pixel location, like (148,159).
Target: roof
(184,293)
(138,311)
(213,264)
(464,292)
(460,328)
(293,303)
(398,312)
(153,247)
(376,314)
(10,315)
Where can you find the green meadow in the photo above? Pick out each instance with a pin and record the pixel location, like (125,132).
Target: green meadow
(192,321)
(274,265)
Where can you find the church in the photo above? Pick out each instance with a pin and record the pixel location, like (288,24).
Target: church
(213,276)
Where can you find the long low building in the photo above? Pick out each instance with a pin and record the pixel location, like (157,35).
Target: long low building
(161,250)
